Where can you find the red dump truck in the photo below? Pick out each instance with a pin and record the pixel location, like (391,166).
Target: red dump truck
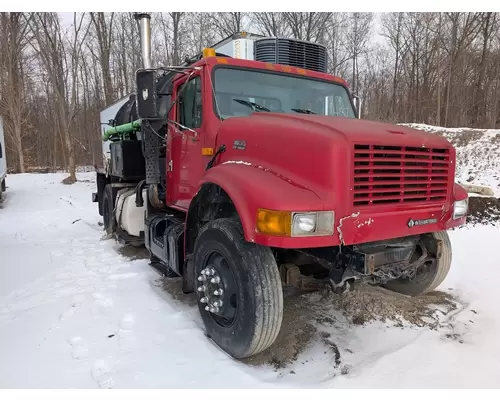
(248,159)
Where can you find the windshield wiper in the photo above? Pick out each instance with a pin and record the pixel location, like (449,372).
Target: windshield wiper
(252,105)
(303,111)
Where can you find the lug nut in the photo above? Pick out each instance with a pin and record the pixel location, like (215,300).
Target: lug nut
(207,308)
(212,271)
(212,309)
(201,288)
(202,278)
(218,292)
(215,279)
(218,303)
(204,300)
(216,310)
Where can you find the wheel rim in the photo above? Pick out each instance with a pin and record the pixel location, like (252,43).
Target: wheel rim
(217,289)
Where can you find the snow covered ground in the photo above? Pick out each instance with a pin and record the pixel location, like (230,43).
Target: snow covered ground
(78,312)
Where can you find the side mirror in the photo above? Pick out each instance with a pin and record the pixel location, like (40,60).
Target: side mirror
(357,105)
(147,97)
(164,99)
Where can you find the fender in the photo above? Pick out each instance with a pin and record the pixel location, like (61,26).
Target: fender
(459,193)
(251,187)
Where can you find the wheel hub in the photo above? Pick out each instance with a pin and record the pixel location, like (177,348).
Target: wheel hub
(211,289)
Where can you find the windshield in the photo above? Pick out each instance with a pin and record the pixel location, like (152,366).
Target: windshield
(241,92)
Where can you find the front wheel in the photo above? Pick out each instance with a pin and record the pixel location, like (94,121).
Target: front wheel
(240,297)
(428,277)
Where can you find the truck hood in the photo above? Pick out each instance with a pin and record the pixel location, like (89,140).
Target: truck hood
(350,129)
(311,151)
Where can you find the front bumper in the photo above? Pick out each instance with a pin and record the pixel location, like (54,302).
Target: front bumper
(370,225)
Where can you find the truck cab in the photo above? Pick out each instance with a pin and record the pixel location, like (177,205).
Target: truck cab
(240,174)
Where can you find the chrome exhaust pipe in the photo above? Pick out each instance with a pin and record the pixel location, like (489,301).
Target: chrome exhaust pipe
(145,34)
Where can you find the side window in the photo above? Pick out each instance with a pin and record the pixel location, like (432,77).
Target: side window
(190,104)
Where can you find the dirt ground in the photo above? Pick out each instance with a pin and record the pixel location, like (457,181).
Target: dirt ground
(307,316)
(484,211)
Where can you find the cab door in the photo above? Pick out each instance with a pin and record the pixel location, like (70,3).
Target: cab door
(185,164)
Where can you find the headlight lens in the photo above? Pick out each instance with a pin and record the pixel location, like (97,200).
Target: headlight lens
(460,208)
(303,223)
(293,224)
(313,223)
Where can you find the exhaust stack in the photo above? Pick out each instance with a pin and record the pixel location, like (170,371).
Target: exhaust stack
(145,33)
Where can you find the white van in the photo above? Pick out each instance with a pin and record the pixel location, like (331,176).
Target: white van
(3,160)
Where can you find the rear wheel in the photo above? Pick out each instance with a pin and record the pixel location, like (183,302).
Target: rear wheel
(4,187)
(108,206)
(240,297)
(429,276)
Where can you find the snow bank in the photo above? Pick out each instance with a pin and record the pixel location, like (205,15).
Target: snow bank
(478,153)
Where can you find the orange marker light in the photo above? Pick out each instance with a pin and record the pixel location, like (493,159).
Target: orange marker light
(207,151)
(208,52)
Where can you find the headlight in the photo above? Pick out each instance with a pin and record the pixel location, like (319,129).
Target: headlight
(312,223)
(293,224)
(460,208)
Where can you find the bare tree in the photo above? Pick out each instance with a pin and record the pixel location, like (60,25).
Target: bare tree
(13,28)
(357,36)
(51,47)
(307,26)
(437,68)
(103,30)
(271,24)
(393,30)
(228,23)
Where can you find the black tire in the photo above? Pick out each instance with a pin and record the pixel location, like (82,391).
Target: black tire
(252,289)
(429,278)
(102,181)
(108,206)
(100,207)
(4,186)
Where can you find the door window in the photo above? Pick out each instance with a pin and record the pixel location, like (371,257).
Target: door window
(190,103)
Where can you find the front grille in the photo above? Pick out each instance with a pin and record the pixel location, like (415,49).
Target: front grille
(396,174)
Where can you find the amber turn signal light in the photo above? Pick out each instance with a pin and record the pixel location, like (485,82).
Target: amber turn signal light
(276,223)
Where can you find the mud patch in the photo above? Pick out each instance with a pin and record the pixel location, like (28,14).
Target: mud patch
(313,317)
(321,318)
(373,303)
(174,287)
(134,253)
(483,211)
(297,332)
